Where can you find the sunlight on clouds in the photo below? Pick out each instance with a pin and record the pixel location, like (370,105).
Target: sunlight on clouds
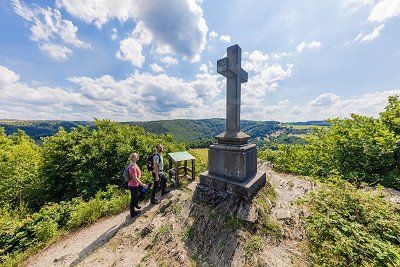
(163,19)
(156,68)
(55,51)
(384,10)
(361,37)
(310,45)
(48,24)
(225,39)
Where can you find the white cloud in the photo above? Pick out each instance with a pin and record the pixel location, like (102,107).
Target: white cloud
(177,24)
(156,68)
(99,12)
(169,60)
(141,96)
(130,48)
(310,45)
(384,10)
(48,24)
(225,38)
(56,51)
(362,38)
(213,35)
(324,100)
(203,68)
(114,34)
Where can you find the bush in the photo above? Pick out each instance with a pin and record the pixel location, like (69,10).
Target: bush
(359,149)
(81,162)
(20,233)
(350,227)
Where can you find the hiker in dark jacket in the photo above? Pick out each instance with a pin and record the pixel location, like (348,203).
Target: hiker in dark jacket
(158,175)
(135,184)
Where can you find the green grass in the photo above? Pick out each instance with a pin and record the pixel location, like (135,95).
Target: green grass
(166,228)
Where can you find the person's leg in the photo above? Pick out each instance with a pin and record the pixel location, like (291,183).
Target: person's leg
(139,197)
(155,189)
(163,180)
(136,199)
(132,203)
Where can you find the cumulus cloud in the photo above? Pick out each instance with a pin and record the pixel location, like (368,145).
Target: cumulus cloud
(366,38)
(225,39)
(203,68)
(48,25)
(384,10)
(156,68)
(169,60)
(178,25)
(329,105)
(309,45)
(56,51)
(130,48)
(324,100)
(141,96)
(213,35)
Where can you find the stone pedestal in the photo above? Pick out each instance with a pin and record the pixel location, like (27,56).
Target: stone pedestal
(232,169)
(232,162)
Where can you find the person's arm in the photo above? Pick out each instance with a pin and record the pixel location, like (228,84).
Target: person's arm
(155,169)
(137,179)
(140,181)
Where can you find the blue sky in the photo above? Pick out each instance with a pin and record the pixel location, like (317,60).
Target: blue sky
(146,60)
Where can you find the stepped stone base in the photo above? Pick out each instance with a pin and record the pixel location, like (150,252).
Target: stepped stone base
(246,189)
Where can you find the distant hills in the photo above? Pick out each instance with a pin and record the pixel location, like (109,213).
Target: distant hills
(182,129)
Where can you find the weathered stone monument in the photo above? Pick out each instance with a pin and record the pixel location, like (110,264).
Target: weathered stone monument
(232,161)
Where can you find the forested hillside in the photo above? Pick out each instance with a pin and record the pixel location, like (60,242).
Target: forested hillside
(182,129)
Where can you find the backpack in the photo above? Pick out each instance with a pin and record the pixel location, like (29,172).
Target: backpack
(149,162)
(126,174)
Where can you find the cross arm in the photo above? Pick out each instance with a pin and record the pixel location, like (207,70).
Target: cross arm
(228,69)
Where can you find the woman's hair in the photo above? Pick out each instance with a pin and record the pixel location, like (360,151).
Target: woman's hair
(132,156)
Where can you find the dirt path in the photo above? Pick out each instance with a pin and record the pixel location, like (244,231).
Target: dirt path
(121,241)
(75,247)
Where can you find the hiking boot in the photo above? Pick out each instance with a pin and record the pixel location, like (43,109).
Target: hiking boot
(166,191)
(135,213)
(154,201)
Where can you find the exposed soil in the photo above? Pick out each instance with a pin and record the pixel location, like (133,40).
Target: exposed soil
(183,232)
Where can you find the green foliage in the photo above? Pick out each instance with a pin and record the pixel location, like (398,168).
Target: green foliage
(254,244)
(189,234)
(20,232)
(359,149)
(20,159)
(266,225)
(166,228)
(83,161)
(391,115)
(350,227)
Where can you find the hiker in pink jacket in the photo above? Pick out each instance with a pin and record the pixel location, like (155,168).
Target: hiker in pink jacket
(135,184)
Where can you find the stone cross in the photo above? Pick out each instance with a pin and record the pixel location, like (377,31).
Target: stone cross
(230,67)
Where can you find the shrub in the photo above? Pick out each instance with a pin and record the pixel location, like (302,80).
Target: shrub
(350,227)
(359,149)
(20,233)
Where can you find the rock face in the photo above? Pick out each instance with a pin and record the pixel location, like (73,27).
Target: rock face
(195,226)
